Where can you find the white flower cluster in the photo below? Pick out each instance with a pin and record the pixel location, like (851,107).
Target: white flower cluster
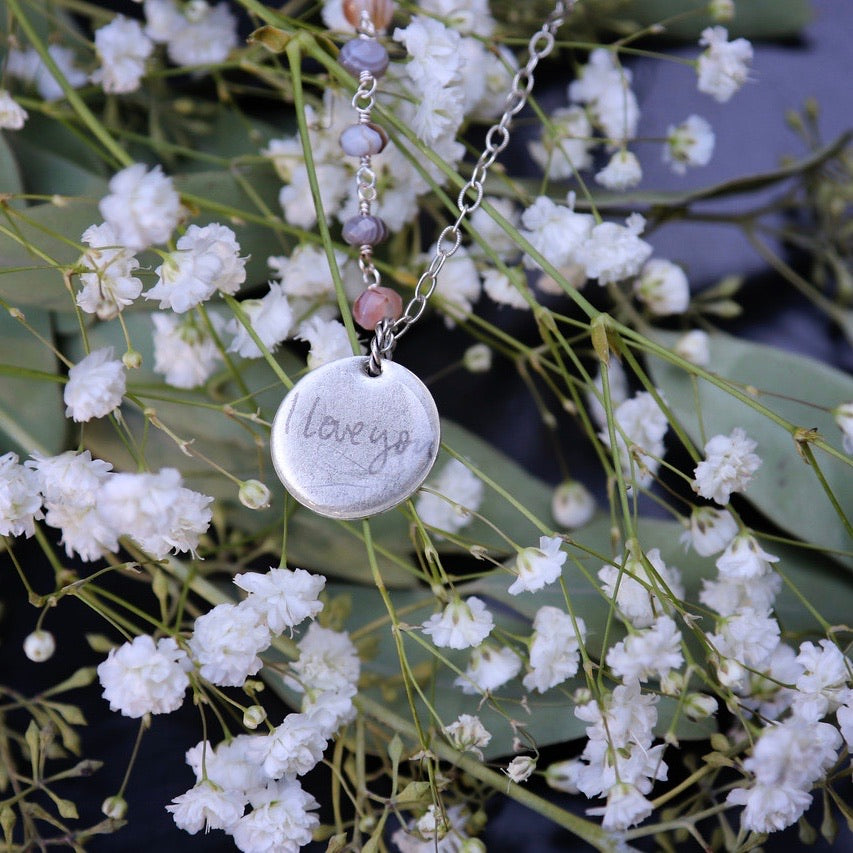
(194,33)
(93,506)
(259,771)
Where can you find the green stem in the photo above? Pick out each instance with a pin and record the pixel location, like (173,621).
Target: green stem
(584,829)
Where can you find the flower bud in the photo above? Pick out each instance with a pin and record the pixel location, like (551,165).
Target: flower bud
(722,11)
(844,418)
(520,768)
(39,646)
(132,359)
(477,358)
(731,673)
(114,807)
(693,347)
(254,494)
(572,505)
(698,706)
(253,716)
(673,683)
(472,845)
(563,776)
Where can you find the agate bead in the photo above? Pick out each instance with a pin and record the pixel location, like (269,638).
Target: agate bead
(376,304)
(362,140)
(380,12)
(360,54)
(364,230)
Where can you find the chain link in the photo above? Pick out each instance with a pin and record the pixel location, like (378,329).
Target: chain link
(497,138)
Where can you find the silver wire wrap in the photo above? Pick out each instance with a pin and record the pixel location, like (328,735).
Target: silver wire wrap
(497,138)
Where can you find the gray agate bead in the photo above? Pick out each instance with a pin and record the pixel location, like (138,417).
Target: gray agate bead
(364,230)
(360,54)
(362,140)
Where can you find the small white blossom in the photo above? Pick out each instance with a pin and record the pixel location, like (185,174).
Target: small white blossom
(636,588)
(27,65)
(460,625)
(710,530)
(12,115)
(555,231)
(281,597)
(622,171)
(142,208)
(226,642)
(291,749)
(844,418)
(554,648)
(328,660)
(744,560)
(640,426)
(488,668)
(654,651)
(200,34)
(690,143)
(328,339)
(461,494)
(39,645)
(230,766)
(143,678)
(122,48)
(726,595)
(538,567)
(466,16)
(605,87)
(626,806)
(520,768)
(572,504)
(613,252)
(564,149)
(20,501)
(825,683)
(477,358)
(155,510)
(468,734)
(281,819)
(254,494)
(500,289)
(95,386)
(108,283)
(662,287)
(434,54)
(724,66)
(693,346)
(271,318)
(206,806)
(786,761)
(748,638)
(728,466)
(185,353)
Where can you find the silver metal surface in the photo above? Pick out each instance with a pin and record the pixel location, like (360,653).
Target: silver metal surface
(350,445)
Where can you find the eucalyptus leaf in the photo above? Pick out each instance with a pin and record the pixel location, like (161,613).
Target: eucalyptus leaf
(31,407)
(10,172)
(799,389)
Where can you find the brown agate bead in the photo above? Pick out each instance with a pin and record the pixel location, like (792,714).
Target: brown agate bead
(364,230)
(380,12)
(376,304)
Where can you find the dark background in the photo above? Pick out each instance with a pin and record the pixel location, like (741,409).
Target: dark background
(751,137)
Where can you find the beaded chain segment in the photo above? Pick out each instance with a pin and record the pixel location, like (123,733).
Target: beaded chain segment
(378,308)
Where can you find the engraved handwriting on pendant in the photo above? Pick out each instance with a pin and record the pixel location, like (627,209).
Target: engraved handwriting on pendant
(350,445)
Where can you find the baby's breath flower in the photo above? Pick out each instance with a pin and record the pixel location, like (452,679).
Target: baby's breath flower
(621,172)
(122,48)
(537,567)
(614,252)
(254,494)
(12,115)
(572,504)
(114,807)
(844,418)
(20,501)
(281,597)
(461,494)
(468,734)
(39,646)
(728,466)
(461,625)
(724,66)
(488,669)
(710,530)
(693,347)
(328,340)
(95,387)
(477,358)
(520,768)
(662,287)
(690,143)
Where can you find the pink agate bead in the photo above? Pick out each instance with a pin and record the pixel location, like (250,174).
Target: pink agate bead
(376,304)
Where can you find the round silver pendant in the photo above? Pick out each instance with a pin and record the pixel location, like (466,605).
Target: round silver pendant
(349,445)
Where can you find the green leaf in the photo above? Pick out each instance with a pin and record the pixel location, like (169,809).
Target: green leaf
(799,389)
(755,19)
(10,172)
(31,407)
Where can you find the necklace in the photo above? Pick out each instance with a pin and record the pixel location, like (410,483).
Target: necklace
(359,435)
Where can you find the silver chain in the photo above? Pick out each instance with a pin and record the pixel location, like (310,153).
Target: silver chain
(541,43)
